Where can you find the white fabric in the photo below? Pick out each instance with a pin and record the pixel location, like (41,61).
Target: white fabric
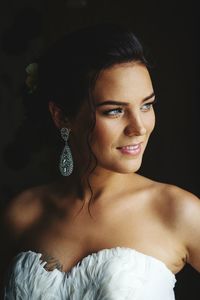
(118,273)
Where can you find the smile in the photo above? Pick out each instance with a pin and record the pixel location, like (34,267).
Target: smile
(131,149)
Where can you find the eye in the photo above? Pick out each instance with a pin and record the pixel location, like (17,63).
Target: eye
(147,106)
(113,112)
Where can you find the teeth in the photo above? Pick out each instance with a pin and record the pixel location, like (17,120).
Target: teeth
(131,147)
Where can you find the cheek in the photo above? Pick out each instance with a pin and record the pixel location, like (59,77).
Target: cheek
(104,134)
(150,122)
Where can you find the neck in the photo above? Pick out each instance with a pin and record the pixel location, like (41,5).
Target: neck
(102,182)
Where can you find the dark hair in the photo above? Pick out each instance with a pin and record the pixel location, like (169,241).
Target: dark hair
(67,72)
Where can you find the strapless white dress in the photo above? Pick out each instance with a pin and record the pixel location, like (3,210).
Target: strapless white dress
(118,273)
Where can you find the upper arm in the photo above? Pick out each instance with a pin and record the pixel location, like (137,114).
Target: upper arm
(188,224)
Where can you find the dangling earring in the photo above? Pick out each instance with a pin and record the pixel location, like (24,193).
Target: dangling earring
(66,160)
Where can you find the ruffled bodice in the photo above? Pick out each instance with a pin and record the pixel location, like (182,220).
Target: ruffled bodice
(118,273)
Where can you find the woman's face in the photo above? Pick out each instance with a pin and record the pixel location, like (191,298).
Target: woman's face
(123,97)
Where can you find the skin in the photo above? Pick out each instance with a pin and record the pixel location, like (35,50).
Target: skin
(157,219)
(129,83)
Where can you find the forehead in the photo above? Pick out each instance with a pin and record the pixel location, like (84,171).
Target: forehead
(123,82)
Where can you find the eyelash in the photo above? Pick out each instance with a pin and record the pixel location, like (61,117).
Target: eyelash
(120,109)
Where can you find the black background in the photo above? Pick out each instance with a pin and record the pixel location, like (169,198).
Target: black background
(169,32)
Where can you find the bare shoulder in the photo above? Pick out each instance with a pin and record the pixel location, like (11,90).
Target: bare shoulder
(16,218)
(185,208)
(182,203)
(182,200)
(22,212)
(179,205)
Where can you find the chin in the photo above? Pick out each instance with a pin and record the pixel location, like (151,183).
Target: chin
(122,166)
(131,168)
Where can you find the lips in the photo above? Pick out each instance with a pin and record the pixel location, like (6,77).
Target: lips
(131,150)
(130,147)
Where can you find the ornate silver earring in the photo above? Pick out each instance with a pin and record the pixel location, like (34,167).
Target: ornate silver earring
(66,160)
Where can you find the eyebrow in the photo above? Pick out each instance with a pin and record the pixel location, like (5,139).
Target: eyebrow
(112,102)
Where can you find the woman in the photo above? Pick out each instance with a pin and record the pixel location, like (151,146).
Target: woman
(102,231)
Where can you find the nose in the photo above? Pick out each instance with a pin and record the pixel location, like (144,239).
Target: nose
(135,126)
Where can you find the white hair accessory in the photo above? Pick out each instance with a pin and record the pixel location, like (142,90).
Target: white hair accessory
(32,78)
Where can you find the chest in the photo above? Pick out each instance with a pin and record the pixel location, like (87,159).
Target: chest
(69,240)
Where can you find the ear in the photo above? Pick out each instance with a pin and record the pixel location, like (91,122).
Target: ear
(57,115)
